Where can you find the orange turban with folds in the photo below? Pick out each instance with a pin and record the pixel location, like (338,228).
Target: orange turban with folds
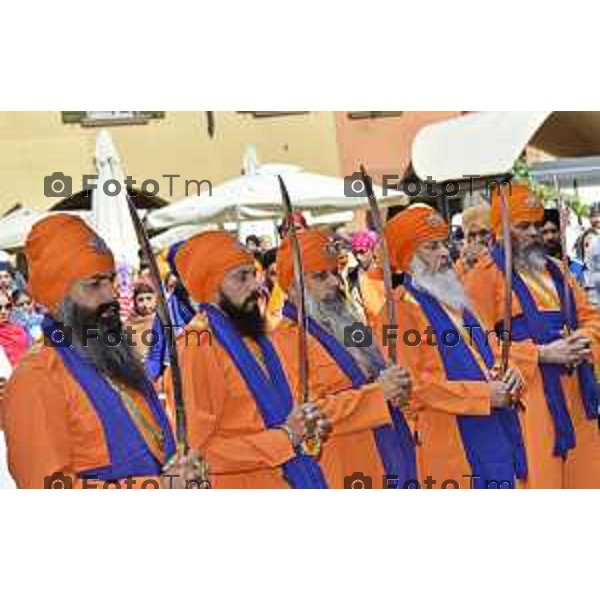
(317,254)
(523,205)
(411,228)
(203,261)
(60,250)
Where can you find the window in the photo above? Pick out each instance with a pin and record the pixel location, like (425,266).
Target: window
(375,114)
(271,113)
(111,117)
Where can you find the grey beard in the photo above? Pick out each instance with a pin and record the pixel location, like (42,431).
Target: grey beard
(118,362)
(335,316)
(444,286)
(531,259)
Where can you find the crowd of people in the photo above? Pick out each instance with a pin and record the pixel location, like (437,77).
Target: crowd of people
(438,406)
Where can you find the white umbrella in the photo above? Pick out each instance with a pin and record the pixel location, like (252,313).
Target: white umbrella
(257,195)
(15,227)
(110,213)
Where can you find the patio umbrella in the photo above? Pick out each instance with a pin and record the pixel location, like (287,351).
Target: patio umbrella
(257,191)
(110,213)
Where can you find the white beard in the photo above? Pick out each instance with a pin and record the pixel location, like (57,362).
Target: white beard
(335,316)
(444,286)
(532,259)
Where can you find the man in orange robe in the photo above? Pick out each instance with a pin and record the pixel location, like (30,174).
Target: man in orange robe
(467,434)
(242,385)
(561,403)
(79,412)
(385,451)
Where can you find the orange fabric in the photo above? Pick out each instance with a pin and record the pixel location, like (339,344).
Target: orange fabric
(205,259)
(372,293)
(435,401)
(316,256)
(582,469)
(225,425)
(274,308)
(409,229)
(61,249)
(523,206)
(51,425)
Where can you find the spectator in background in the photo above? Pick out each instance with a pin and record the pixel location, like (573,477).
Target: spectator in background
(551,233)
(477,228)
(7,277)
(265,243)
(595,216)
(586,248)
(13,337)
(26,314)
(253,244)
(365,281)
(142,318)
(298,220)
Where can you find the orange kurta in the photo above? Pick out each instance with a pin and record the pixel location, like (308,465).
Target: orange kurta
(435,401)
(51,425)
(582,468)
(372,293)
(226,426)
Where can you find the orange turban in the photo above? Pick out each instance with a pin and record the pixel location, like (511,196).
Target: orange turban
(409,229)
(522,203)
(317,255)
(203,261)
(60,250)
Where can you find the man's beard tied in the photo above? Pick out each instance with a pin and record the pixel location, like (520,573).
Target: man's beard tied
(335,315)
(115,361)
(247,318)
(444,286)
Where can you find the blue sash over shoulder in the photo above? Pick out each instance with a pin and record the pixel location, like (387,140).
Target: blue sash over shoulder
(493,443)
(272,394)
(394,443)
(129,453)
(544,327)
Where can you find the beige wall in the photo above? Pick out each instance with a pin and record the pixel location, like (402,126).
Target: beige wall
(36,144)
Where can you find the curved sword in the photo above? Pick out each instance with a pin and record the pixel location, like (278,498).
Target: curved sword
(385,258)
(165,318)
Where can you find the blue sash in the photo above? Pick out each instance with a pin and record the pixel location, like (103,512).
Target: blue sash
(394,443)
(128,451)
(493,443)
(544,327)
(272,394)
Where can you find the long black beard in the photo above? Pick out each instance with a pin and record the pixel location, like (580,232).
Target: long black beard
(118,362)
(247,318)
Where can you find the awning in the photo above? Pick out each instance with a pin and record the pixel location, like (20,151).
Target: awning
(489,143)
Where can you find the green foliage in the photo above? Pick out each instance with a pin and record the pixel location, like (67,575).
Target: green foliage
(547,193)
